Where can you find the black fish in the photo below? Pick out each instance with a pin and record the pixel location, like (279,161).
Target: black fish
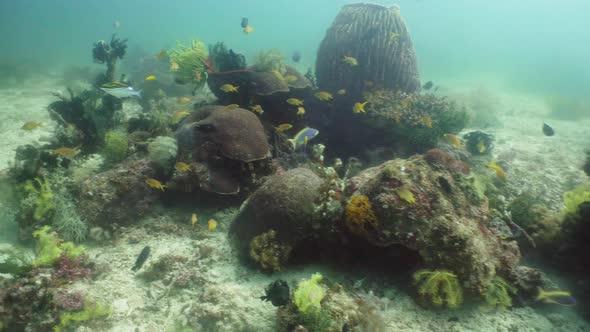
(277,293)
(428,85)
(548,131)
(143,256)
(296,56)
(244,22)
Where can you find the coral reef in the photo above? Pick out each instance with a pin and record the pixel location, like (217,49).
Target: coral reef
(39,200)
(440,287)
(90,311)
(115,147)
(223,59)
(267,252)
(108,53)
(573,198)
(162,152)
(49,248)
(191,63)
(478,143)
(446,223)
(359,216)
(379,40)
(116,196)
(67,221)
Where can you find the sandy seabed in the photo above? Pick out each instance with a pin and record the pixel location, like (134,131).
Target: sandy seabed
(226,294)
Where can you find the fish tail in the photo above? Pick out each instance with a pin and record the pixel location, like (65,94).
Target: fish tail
(138,95)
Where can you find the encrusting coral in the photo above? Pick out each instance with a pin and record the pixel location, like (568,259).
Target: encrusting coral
(270,254)
(441,287)
(359,215)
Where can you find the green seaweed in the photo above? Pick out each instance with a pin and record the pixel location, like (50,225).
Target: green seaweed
(440,287)
(191,63)
(115,146)
(44,199)
(498,294)
(309,294)
(90,312)
(573,198)
(49,247)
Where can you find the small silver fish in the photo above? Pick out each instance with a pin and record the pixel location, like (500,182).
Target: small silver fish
(122,92)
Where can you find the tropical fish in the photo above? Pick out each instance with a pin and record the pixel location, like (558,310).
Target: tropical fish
(453,140)
(198,75)
(300,110)
(557,297)
(323,96)
(290,78)
(428,85)
(211,225)
(295,101)
(257,109)
(229,88)
(176,117)
(143,256)
(162,55)
(68,153)
(497,169)
(405,194)
(174,66)
(359,107)
(153,183)
(350,61)
(481,147)
(193,219)
(394,36)
(231,107)
(303,136)
(248,30)
(296,56)
(30,125)
(283,127)
(122,92)
(244,23)
(341,92)
(150,78)
(547,130)
(426,121)
(183,100)
(184,167)
(114,84)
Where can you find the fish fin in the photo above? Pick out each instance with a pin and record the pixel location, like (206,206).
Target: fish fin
(139,94)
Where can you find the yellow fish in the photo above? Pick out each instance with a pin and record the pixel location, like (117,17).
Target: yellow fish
(300,110)
(359,107)
(228,88)
(283,127)
(153,183)
(394,36)
(150,78)
(453,140)
(278,75)
(180,166)
(323,96)
(211,225)
(231,107)
(295,101)
(257,109)
(350,61)
(248,30)
(497,169)
(341,92)
(68,153)
(198,75)
(70,127)
(290,78)
(426,121)
(481,147)
(560,297)
(194,219)
(405,194)
(183,100)
(30,125)
(174,66)
(176,117)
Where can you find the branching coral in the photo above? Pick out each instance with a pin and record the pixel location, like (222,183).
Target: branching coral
(191,63)
(270,60)
(40,191)
(498,294)
(359,215)
(91,311)
(441,287)
(268,252)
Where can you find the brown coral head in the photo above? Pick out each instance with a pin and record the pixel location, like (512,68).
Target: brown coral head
(436,157)
(459,167)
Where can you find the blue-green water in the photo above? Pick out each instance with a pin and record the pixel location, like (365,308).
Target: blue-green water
(535,46)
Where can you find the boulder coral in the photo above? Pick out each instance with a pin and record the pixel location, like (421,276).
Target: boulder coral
(445,221)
